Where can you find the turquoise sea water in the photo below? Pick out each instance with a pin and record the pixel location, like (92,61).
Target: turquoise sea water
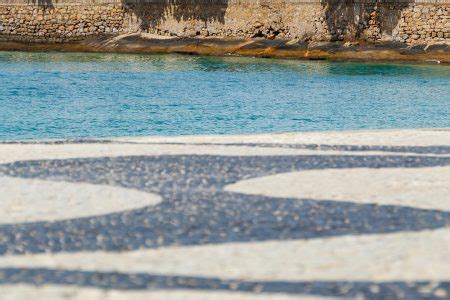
(73,95)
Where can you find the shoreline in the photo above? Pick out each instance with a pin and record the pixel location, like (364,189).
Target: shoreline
(340,136)
(140,43)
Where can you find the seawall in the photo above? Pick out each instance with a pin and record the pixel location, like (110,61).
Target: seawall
(405,21)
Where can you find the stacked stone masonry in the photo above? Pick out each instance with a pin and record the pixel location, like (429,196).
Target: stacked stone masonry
(406,21)
(60,23)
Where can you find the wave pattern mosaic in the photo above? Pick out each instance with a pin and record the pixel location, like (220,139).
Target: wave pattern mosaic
(228,217)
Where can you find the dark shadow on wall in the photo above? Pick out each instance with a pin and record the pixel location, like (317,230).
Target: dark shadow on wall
(46,4)
(348,19)
(153,12)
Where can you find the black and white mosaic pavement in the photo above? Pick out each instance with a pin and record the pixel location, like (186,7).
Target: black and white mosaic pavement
(196,210)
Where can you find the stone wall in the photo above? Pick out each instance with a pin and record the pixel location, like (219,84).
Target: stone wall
(58,23)
(423,23)
(408,21)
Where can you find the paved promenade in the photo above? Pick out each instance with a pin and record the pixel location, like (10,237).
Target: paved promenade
(350,215)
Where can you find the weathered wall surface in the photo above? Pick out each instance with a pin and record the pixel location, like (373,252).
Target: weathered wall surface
(58,22)
(407,21)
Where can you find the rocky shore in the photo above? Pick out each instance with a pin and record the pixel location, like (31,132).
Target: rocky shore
(142,43)
(417,30)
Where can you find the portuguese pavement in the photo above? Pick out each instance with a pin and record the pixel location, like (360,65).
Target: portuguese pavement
(325,215)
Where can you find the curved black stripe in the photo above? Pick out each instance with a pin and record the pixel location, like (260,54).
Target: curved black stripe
(195,209)
(153,282)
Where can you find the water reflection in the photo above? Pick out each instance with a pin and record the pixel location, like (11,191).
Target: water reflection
(75,62)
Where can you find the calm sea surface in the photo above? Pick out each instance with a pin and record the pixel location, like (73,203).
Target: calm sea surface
(77,95)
